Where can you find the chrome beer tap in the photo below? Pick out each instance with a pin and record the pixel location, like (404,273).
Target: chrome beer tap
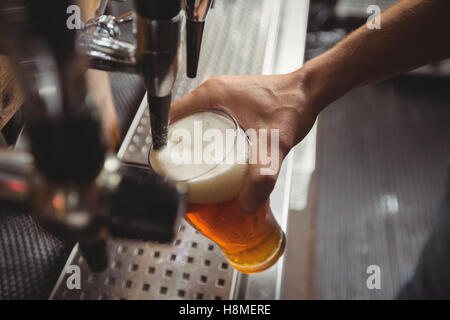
(155,56)
(73,185)
(70,181)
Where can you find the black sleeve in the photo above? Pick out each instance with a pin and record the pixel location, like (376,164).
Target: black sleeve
(431,279)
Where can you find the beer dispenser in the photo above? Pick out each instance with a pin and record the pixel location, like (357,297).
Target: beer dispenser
(70,181)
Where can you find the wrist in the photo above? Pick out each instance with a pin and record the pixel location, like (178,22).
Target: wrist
(313,88)
(321,82)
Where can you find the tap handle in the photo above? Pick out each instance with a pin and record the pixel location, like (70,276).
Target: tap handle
(146,207)
(96,254)
(157,9)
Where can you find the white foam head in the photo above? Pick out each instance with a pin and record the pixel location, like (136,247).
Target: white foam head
(208,152)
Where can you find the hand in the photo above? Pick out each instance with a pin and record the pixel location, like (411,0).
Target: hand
(257,102)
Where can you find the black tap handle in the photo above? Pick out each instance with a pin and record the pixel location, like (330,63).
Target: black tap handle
(70,148)
(146,207)
(96,254)
(157,9)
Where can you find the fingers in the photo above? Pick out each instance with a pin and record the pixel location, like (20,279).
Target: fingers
(237,97)
(256,189)
(264,168)
(198,99)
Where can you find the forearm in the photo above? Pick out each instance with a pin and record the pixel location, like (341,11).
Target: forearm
(413,33)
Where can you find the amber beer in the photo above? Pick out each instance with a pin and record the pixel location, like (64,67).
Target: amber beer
(251,242)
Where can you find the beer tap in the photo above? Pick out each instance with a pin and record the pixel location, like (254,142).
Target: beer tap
(155,57)
(71,182)
(75,187)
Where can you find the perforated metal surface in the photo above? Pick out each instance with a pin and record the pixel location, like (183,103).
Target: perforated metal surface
(236,37)
(192,267)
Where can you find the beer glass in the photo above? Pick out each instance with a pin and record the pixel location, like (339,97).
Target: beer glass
(250,242)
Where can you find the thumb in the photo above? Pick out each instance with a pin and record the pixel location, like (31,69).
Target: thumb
(262,175)
(196,100)
(256,189)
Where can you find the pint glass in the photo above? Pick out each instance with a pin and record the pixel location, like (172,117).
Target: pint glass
(250,242)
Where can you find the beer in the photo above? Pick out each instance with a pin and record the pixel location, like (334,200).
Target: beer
(214,172)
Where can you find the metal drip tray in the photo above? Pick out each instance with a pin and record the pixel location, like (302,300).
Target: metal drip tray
(192,267)
(240,39)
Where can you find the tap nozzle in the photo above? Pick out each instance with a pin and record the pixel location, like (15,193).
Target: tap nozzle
(194,35)
(159,119)
(196,12)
